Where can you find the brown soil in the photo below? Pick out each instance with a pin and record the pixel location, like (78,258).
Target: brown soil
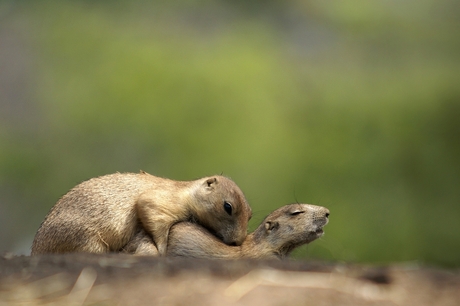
(117,279)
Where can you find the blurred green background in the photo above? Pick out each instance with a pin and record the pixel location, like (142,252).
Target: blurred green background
(352,105)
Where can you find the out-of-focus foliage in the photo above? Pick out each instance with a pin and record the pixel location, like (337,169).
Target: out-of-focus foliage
(352,105)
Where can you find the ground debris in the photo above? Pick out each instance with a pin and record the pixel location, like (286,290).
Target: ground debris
(118,279)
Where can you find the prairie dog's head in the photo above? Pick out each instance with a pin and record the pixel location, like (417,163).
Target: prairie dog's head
(222,208)
(291,226)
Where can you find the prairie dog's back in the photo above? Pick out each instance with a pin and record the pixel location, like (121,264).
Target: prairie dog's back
(97,209)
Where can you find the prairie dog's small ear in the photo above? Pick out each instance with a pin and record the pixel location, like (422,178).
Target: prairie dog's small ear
(271,225)
(210,183)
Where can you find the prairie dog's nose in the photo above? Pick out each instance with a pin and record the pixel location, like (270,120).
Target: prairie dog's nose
(326,214)
(320,211)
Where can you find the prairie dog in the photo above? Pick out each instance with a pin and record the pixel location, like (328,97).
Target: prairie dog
(102,214)
(281,232)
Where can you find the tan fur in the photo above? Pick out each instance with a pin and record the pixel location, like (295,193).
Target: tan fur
(102,214)
(283,230)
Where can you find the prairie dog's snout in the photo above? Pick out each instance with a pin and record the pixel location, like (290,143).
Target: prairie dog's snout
(319,214)
(320,218)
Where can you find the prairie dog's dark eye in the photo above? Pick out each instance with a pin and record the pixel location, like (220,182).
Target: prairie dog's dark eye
(296,212)
(228,208)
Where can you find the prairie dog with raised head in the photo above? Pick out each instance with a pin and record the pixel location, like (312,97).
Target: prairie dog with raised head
(102,214)
(281,232)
